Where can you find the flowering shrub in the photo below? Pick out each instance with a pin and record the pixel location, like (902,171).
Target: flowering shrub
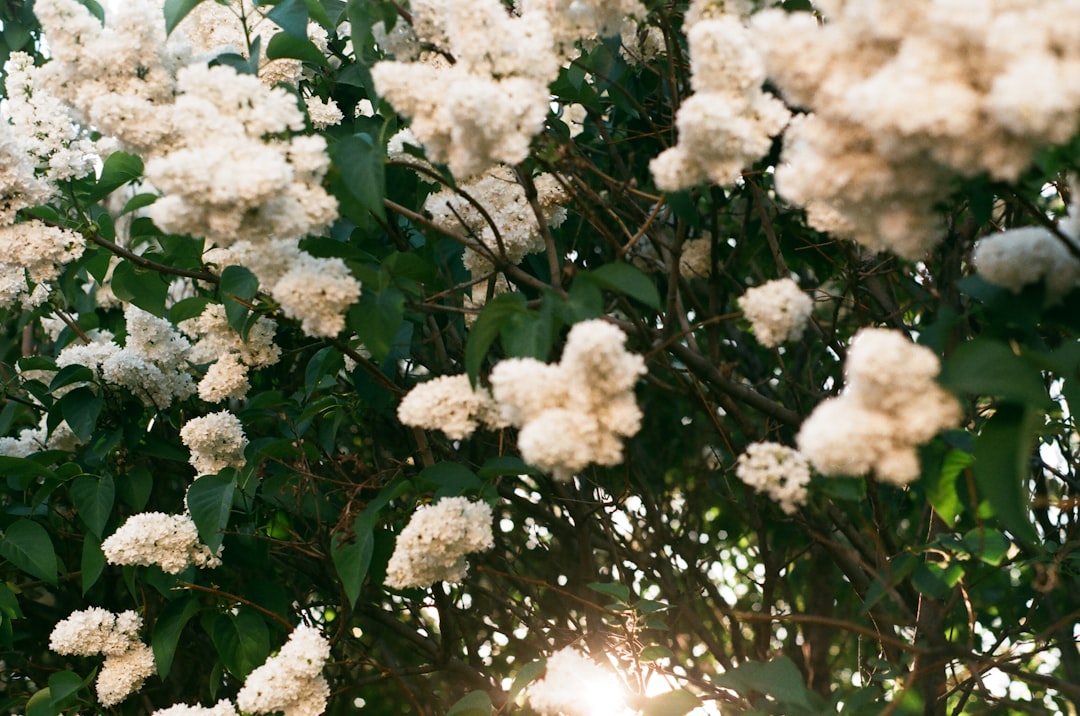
(571,357)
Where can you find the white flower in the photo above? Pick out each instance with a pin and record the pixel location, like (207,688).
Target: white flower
(433,546)
(448,403)
(778,310)
(169,541)
(323,113)
(778,471)
(1022,257)
(128,662)
(216,441)
(291,681)
(123,674)
(728,123)
(95,631)
(575,413)
(222,708)
(890,406)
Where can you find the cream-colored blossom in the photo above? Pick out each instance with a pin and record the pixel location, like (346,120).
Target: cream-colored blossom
(778,310)
(776,470)
(890,405)
(434,544)
(216,441)
(450,404)
(169,541)
(291,681)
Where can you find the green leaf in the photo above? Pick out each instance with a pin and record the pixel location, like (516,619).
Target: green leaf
(583,302)
(322,369)
(292,17)
(81,408)
(209,501)
(118,169)
(176,11)
(134,487)
(353,558)
(69,375)
(63,684)
(629,281)
(238,286)
(27,545)
(186,308)
(488,325)
(935,580)
(474,703)
(452,479)
(359,161)
(1002,467)
(146,289)
(779,678)
(167,630)
(655,652)
(285,45)
(21,467)
(672,703)
(525,676)
(93,498)
(376,319)
(616,591)
(139,201)
(95,9)
(528,335)
(41,704)
(987,367)
(991,546)
(505,465)
(941,489)
(92,563)
(320,15)
(242,641)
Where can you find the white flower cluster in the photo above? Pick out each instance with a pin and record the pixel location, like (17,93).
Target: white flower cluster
(450,404)
(221,708)
(290,682)
(906,96)
(574,685)
(33,251)
(216,143)
(20,186)
(695,259)
(728,123)
(890,405)
(314,291)
(776,470)
(230,357)
(152,364)
(433,546)
(486,107)
(778,310)
(502,196)
(169,541)
(43,124)
(216,441)
(32,440)
(120,77)
(128,662)
(573,20)
(575,413)
(215,28)
(228,177)
(1021,257)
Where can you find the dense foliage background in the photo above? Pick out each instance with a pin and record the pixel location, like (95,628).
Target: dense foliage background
(955,594)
